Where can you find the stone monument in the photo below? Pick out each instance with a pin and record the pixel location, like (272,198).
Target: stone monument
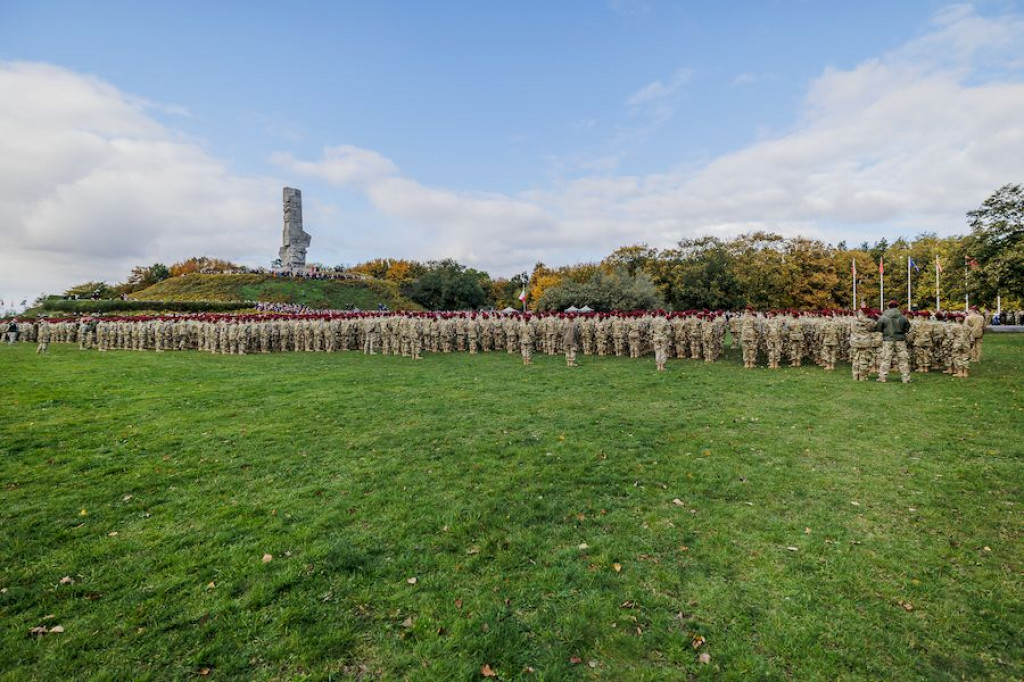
(294,240)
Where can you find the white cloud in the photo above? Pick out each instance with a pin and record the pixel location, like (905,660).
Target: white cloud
(659,90)
(91,184)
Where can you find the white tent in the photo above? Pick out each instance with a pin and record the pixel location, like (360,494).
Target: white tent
(586,309)
(509,310)
(572,309)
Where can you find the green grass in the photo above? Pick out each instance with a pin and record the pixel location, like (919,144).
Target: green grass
(315,293)
(484,480)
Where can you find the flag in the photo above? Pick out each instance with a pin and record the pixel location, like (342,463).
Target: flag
(881,266)
(853,268)
(971,262)
(913,265)
(522,296)
(938,265)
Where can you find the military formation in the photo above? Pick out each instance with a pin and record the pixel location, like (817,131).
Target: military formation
(946,342)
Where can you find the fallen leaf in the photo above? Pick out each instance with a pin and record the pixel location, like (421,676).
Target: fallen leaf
(3,590)
(267,558)
(793,549)
(204,671)
(473,550)
(679,503)
(445,529)
(56,629)
(592,664)
(485,628)
(407,623)
(83,513)
(528,670)
(583,546)
(807,531)
(48,616)
(112,534)
(411,581)
(67,580)
(458,603)
(210,585)
(855,504)
(38,631)
(628,604)
(986,549)
(126,498)
(617,567)
(575,660)
(697,642)
(907,606)
(487,671)
(704,658)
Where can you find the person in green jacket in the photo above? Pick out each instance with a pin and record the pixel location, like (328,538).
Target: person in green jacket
(894,327)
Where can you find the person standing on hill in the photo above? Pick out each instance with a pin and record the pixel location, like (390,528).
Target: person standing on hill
(894,327)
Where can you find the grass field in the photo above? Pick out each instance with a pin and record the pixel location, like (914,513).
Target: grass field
(188,516)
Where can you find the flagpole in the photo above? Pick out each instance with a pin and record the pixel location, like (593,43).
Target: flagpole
(967,293)
(909,307)
(937,286)
(854,262)
(881,284)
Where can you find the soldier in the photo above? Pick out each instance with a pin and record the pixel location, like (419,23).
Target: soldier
(829,341)
(961,337)
(795,338)
(526,335)
(661,333)
(894,327)
(747,334)
(860,345)
(975,321)
(43,336)
(570,339)
(773,335)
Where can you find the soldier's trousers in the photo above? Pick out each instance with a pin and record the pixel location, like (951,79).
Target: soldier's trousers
(889,348)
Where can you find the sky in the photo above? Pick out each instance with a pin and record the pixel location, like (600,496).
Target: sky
(500,134)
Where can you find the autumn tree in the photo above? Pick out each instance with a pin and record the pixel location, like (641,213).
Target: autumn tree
(202,263)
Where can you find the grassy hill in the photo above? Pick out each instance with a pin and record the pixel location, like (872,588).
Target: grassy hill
(340,294)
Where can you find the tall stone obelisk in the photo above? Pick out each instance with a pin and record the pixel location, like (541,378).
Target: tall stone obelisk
(294,240)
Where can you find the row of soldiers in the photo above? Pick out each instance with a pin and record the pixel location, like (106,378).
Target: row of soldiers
(948,343)
(792,337)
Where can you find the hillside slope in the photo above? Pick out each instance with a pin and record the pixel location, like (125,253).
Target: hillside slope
(315,293)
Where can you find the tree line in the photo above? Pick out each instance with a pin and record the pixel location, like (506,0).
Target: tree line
(759,268)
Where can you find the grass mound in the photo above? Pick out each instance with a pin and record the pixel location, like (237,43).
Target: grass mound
(338,515)
(315,293)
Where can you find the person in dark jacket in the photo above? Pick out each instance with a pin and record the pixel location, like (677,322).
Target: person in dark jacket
(894,327)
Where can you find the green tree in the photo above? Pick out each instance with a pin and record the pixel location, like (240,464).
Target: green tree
(615,290)
(996,245)
(447,285)
(90,290)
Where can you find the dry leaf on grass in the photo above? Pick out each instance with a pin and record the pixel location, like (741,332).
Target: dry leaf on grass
(704,658)
(267,558)
(617,567)
(487,671)
(411,581)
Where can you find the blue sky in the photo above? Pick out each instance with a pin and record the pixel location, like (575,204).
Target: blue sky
(498,133)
